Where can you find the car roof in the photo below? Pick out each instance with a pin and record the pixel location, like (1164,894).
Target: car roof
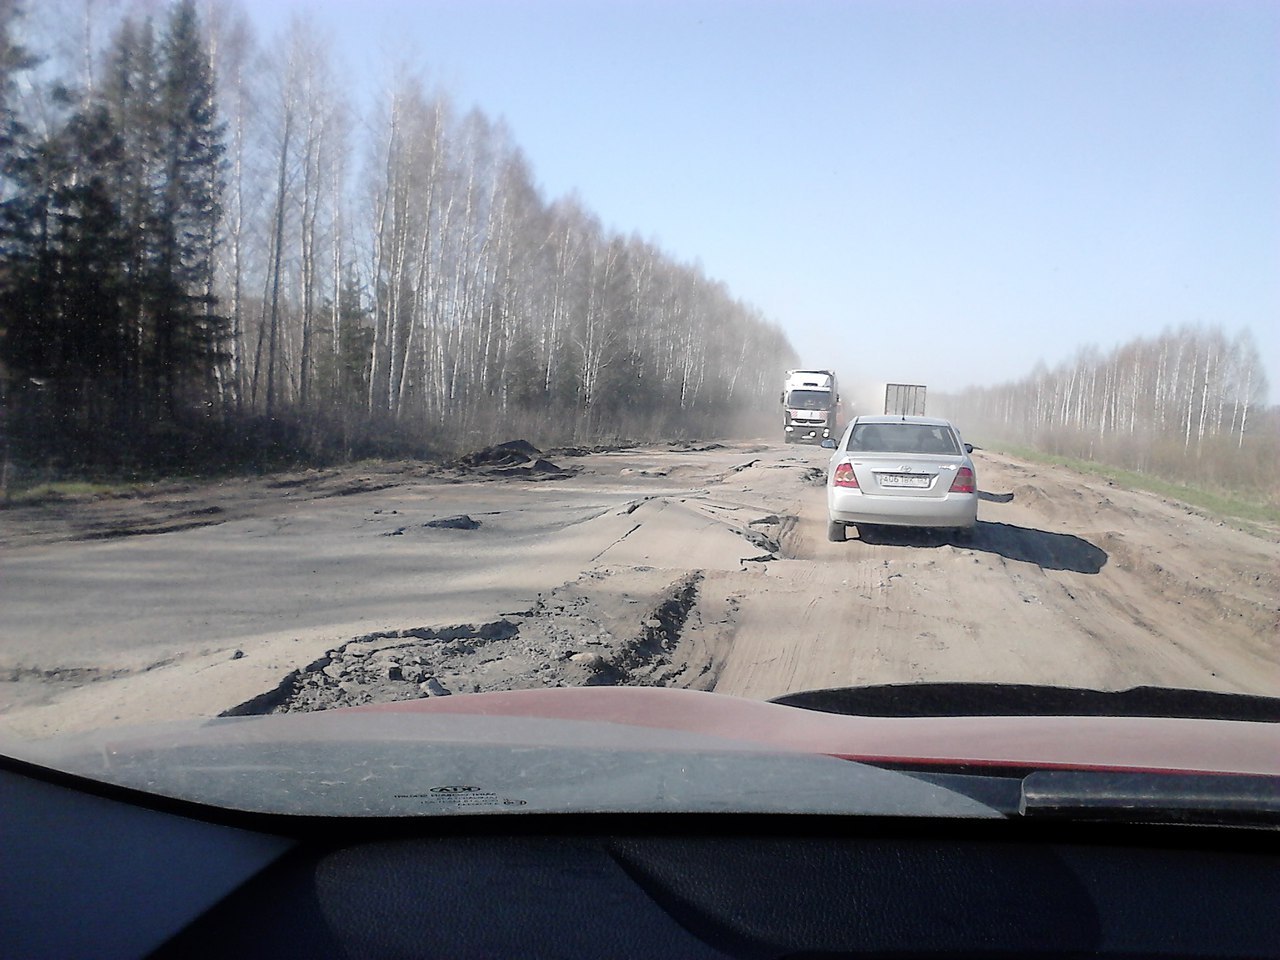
(927,421)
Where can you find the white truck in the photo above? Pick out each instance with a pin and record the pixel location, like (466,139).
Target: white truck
(904,400)
(810,406)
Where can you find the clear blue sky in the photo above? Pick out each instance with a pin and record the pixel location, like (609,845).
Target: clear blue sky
(938,192)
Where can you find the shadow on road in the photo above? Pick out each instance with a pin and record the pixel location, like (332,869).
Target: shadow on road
(995,497)
(1052,551)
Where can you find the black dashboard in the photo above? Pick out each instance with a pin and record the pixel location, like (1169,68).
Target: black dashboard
(95,871)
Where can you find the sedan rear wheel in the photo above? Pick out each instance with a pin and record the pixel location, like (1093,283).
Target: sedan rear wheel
(836,532)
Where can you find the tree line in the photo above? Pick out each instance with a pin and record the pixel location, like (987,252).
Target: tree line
(1186,404)
(204,242)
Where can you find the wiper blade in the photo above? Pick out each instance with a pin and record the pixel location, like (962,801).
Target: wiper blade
(1139,797)
(1033,700)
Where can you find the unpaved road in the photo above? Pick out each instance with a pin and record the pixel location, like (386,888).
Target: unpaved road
(694,565)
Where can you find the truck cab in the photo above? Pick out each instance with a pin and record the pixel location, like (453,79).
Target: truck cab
(810,406)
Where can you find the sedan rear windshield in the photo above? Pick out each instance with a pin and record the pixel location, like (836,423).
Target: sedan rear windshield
(903,438)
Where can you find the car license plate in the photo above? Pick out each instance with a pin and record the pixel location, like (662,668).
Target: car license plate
(904,480)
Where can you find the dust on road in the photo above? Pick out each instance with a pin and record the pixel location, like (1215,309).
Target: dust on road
(700,565)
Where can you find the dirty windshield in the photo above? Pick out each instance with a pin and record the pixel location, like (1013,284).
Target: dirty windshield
(398,355)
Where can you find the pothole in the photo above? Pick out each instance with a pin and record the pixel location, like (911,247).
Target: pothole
(586,633)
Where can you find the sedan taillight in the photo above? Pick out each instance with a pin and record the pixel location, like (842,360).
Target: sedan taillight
(844,476)
(964,482)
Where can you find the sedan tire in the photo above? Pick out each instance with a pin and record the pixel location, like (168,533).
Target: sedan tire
(836,532)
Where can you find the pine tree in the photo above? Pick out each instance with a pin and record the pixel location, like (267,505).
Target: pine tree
(189,333)
(25,273)
(107,234)
(130,94)
(66,335)
(14,139)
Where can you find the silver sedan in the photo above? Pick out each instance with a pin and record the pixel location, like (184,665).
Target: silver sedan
(901,472)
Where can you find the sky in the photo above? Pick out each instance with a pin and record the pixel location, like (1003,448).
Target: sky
(940,192)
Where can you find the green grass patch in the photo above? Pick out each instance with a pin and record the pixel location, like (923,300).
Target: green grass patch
(1221,505)
(67,490)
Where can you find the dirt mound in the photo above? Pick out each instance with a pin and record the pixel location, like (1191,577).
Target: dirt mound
(514,460)
(593,448)
(1030,495)
(693,446)
(461,522)
(503,454)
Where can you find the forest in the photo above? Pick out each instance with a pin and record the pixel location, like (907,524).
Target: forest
(211,257)
(1186,405)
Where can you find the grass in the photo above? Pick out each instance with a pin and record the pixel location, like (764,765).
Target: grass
(17,494)
(32,490)
(1220,505)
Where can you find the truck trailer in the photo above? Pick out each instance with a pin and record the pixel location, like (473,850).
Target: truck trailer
(904,400)
(810,406)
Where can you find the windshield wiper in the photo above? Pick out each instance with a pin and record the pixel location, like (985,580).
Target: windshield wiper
(1131,796)
(1120,796)
(1032,700)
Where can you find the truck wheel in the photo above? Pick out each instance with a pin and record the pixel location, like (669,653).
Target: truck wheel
(836,532)
(787,438)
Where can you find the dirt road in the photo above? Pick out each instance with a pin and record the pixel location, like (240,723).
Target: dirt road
(693,565)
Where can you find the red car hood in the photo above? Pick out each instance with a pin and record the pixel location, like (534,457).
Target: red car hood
(651,750)
(1108,743)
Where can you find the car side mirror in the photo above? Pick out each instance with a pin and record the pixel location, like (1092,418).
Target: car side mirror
(968,448)
(828,444)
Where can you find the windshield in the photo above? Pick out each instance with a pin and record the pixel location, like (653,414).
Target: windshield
(902,438)
(809,399)
(414,356)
